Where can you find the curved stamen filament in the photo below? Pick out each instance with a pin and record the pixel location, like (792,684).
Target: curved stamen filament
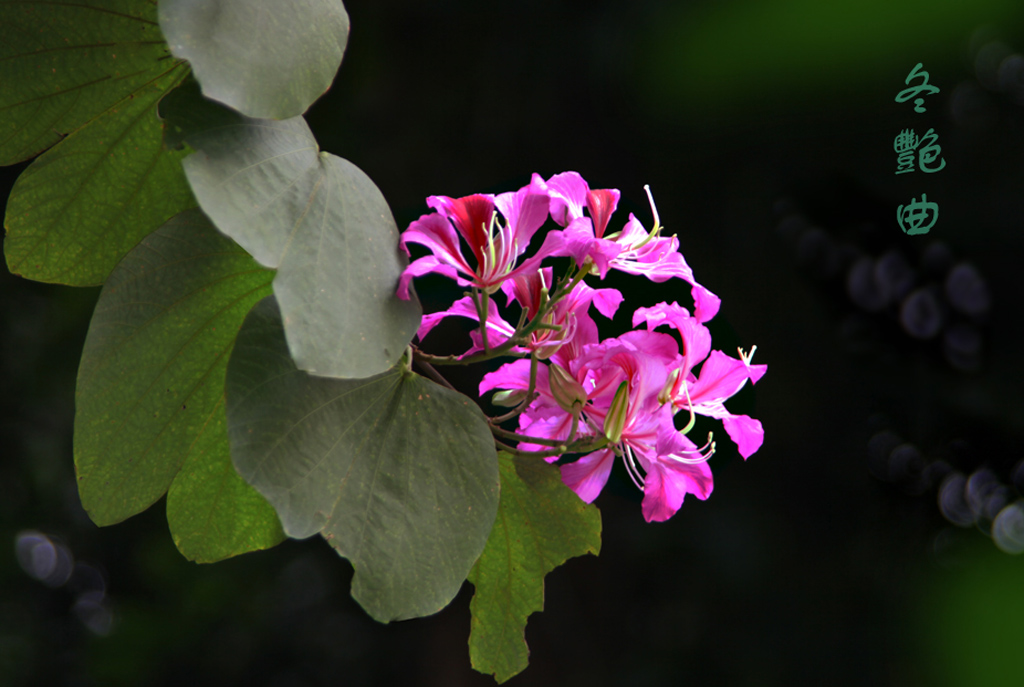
(704,453)
(654,209)
(689,407)
(632,468)
(657,222)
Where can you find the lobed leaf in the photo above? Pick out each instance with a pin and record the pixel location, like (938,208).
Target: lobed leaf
(264,58)
(317,219)
(149,403)
(541,523)
(398,473)
(91,72)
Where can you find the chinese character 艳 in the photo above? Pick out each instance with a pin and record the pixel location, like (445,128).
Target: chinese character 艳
(914,91)
(913,216)
(906,144)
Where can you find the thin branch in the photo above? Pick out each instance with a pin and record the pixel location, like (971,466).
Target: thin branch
(433,373)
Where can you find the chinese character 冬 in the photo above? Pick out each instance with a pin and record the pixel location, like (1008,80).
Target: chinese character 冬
(913,91)
(907,142)
(912,216)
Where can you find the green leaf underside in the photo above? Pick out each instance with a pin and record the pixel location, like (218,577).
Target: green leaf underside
(541,523)
(399,474)
(150,396)
(314,217)
(64,64)
(264,58)
(82,205)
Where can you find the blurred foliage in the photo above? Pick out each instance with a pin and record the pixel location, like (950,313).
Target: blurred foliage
(745,54)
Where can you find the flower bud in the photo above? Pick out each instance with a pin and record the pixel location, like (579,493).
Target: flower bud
(509,398)
(615,420)
(568,393)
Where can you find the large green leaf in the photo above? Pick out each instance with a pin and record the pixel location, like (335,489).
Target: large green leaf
(398,473)
(92,72)
(541,523)
(264,58)
(317,219)
(149,403)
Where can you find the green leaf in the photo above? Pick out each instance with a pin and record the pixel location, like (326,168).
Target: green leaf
(399,474)
(93,73)
(64,64)
(264,58)
(81,206)
(541,523)
(317,219)
(149,403)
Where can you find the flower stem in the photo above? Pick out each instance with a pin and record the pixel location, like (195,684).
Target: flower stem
(505,434)
(433,373)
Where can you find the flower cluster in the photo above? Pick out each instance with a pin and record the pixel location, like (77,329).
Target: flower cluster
(571,392)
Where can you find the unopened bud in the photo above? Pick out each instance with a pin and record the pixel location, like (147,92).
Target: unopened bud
(568,393)
(508,399)
(615,420)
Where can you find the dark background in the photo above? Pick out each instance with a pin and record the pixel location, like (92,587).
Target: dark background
(853,549)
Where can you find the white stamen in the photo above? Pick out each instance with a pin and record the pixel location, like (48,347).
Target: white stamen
(654,209)
(490,243)
(747,357)
(709,447)
(632,468)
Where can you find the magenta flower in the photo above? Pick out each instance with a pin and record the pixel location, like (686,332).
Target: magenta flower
(610,399)
(496,247)
(622,379)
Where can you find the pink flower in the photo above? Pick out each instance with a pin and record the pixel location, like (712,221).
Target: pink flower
(660,460)
(496,247)
(622,379)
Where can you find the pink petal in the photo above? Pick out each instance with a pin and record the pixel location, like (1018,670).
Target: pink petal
(471,216)
(436,233)
(568,193)
(525,210)
(695,336)
(601,204)
(514,375)
(417,268)
(578,237)
(607,301)
(662,313)
(721,377)
(746,432)
(667,484)
(604,253)
(588,475)
(706,303)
